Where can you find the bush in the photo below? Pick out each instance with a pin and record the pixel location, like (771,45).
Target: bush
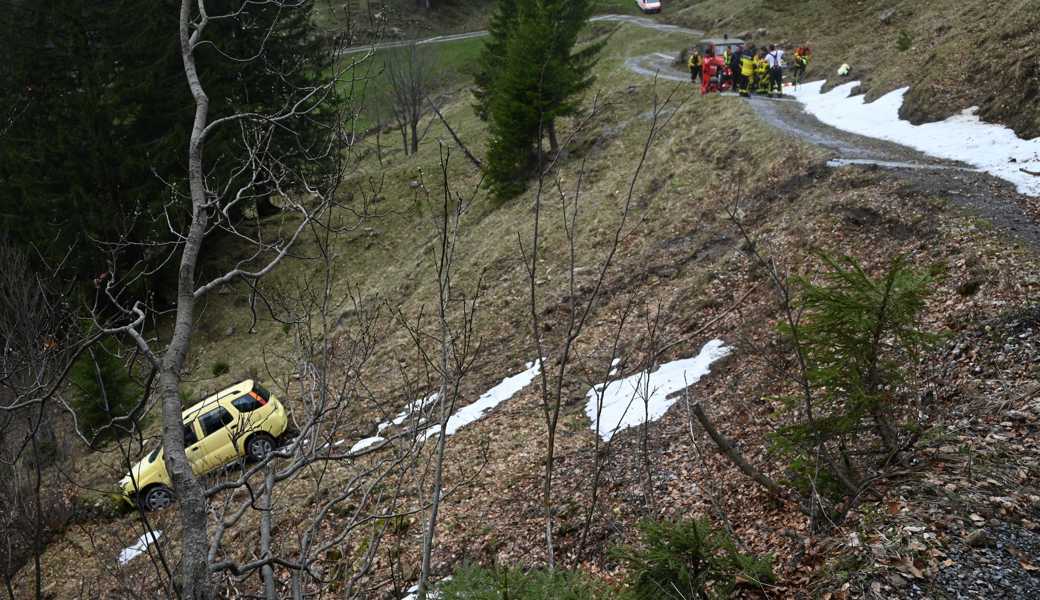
(220,368)
(102,391)
(681,560)
(478,583)
(857,335)
(904,42)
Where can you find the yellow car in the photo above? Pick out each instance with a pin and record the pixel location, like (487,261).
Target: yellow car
(242,420)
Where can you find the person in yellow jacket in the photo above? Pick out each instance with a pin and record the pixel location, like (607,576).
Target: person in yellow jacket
(761,74)
(747,71)
(727,76)
(694,63)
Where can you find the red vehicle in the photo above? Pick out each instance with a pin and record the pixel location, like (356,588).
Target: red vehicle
(716,75)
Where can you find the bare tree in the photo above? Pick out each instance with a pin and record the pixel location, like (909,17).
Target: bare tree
(558,351)
(258,171)
(456,339)
(39,341)
(410,72)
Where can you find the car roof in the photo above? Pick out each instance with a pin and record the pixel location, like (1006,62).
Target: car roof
(239,389)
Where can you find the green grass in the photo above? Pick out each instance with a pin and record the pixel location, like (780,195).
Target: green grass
(624,7)
(369,89)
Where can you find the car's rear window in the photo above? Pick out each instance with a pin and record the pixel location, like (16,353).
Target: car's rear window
(262,392)
(248,403)
(151,457)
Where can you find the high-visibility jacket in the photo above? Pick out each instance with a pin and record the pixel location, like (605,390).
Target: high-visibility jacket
(761,66)
(726,54)
(747,65)
(695,61)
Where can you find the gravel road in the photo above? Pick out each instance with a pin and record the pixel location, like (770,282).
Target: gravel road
(980,193)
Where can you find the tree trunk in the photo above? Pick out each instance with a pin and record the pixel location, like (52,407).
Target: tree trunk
(267,571)
(554,144)
(447,390)
(38,506)
(195,582)
(550,455)
(415,135)
(728,448)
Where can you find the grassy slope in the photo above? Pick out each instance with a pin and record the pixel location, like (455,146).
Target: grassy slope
(399,19)
(680,257)
(961,53)
(368,87)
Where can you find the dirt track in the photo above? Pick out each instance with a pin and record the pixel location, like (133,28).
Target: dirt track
(980,193)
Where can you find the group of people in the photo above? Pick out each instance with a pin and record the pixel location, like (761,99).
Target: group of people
(746,69)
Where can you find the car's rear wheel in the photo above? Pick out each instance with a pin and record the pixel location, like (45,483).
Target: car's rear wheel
(258,446)
(157,497)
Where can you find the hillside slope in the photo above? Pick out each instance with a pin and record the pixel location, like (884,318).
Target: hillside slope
(682,276)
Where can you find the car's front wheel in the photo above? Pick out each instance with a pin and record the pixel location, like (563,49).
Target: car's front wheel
(258,446)
(157,498)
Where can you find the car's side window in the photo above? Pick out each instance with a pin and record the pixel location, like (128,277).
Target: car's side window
(189,434)
(214,420)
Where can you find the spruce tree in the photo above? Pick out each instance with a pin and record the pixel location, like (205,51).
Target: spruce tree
(95,151)
(531,74)
(492,55)
(80,161)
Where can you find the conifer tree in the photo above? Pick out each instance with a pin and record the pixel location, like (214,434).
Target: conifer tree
(94,151)
(531,74)
(492,55)
(97,113)
(103,390)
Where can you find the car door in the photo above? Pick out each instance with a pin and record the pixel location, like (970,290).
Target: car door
(217,448)
(193,447)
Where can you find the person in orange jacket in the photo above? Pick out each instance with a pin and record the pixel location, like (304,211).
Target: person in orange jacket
(802,56)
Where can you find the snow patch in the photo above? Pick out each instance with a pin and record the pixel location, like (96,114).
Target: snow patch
(137,548)
(365,443)
(414,406)
(623,399)
(992,148)
(489,400)
(431,594)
